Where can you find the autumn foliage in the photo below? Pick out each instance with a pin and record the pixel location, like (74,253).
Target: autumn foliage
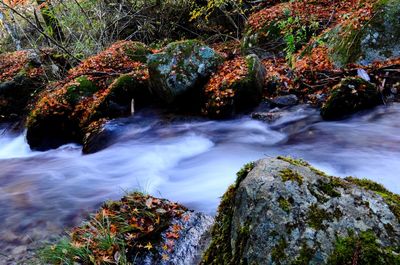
(78,99)
(14,63)
(121,230)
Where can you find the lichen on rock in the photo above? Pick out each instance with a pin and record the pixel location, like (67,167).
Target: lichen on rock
(287,222)
(179,72)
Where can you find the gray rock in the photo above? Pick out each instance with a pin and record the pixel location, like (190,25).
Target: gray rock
(285,101)
(180,70)
(188,248)
(286,212)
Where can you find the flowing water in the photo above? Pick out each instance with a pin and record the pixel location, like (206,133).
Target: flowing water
(189,161)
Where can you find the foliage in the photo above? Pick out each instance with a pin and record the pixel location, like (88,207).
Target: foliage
(118,232)
(82,97)
(362,249)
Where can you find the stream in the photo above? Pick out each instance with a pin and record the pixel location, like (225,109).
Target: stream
(191,161)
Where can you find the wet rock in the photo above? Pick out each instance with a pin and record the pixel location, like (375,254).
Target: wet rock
(98,136)
(283,211)
(285,101)
(179,72)
(350,96)
(266,116)
(236,86)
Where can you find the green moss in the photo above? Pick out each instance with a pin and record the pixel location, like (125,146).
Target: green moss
(243,172)
(220,250)
(278,253)
(285,204)
(295,162)
(290,175)
(305,256)
(393,200)
(301,163)
(329,187)
(139,52)
(316,216)
(362,249)
(84,88)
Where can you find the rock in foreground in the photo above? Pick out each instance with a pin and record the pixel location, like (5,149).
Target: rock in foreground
(283,211)
(138,229)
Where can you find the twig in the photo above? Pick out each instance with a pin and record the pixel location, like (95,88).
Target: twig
(40,31)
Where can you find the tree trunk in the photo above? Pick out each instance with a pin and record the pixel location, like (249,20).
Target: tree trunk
(51,21)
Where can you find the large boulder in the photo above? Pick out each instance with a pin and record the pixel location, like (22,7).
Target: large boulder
(236,86)
(22,75)
(371,37)
(179,72)
(105,86)
(283,211)
(349,96)
(138,229)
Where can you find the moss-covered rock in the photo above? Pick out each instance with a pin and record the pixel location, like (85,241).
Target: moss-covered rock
(349,96)
(105,86)
(23,74)
(267,219)
(235,87)
(179,72)
(367,40)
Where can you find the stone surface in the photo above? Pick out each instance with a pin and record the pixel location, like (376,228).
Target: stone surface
(179,72)
(283,211)
(349,96)
(188,249)
(285,101)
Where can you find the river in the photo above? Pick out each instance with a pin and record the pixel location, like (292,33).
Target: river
(191,161)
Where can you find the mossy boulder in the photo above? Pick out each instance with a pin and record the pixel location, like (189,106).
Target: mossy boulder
(236,86)
(138,229)
(179,72)
(366,41)
(22,75)
(349,96)
(284,211)
(106,86)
